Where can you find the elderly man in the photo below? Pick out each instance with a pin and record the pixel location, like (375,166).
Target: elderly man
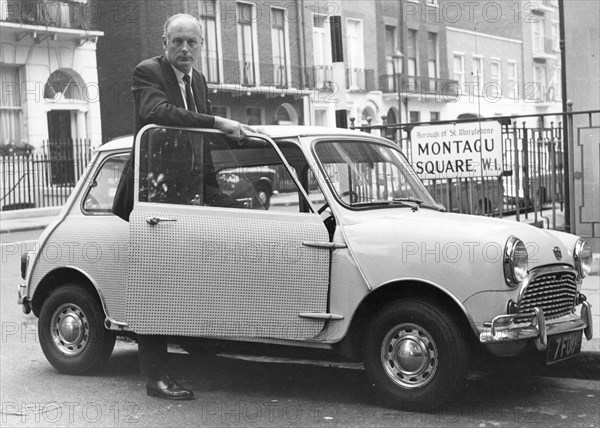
(169,91)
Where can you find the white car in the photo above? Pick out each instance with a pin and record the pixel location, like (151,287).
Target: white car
(378,273)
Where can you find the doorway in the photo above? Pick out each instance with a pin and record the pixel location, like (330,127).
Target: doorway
(60,148)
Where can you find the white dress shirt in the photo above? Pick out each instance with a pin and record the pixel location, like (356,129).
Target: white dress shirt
(180,75)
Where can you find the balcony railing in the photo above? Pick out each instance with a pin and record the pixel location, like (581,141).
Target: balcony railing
(48,13)
(320,77)
(418,85)
(360,79)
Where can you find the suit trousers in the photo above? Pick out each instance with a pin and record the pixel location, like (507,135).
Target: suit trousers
(153,355)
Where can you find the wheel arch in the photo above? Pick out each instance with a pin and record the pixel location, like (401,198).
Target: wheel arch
(351,345)
(60,276)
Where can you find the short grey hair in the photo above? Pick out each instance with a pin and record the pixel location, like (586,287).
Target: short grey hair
(172,18)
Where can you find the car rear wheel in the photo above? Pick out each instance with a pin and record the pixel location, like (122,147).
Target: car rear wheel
(71,331)
(415,353)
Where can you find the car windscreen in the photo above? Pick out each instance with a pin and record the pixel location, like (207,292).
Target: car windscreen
(369,174)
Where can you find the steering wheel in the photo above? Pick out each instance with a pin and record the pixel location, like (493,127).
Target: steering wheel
(353,198)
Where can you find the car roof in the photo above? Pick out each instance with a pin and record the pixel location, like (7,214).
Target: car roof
(273,131)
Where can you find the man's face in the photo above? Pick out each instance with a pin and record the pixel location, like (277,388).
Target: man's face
(182,43)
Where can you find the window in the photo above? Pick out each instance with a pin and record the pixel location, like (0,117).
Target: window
(538,35)
(322,51)
(221,111)
(254,116)
(434,116)
(494,89)
(555,36)
(391,46)
(356,57)
(513,81)
(247,50)
(539,78)
(477,74)
(101,193)
(210,48)
(411,59)
(10,105)
(280,47)
(210,170)
(415,116)
(432,53)
(459,69)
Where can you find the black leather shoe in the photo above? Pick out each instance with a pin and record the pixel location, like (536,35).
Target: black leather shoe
(166,388)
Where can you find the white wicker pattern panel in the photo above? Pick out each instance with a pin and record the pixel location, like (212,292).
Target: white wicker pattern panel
(232,278)
(96,245)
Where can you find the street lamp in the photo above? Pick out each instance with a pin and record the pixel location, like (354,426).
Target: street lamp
(398,66)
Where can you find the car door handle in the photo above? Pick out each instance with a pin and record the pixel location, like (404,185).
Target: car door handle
(333,245)
(153,221)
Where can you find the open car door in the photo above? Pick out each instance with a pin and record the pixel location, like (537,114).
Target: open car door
(203,262)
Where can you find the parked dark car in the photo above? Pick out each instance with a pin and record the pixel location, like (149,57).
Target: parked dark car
(253,185)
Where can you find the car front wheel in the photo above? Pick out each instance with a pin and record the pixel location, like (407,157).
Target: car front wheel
(415,354)
(71,331)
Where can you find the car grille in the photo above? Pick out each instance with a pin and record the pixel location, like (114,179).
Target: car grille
(553,292)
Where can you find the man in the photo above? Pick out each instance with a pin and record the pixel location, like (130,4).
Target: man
(168,91)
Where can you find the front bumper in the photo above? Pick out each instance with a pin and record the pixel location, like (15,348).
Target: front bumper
(22,298)
(506,328)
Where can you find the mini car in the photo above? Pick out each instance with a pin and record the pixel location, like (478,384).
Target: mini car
(357,258)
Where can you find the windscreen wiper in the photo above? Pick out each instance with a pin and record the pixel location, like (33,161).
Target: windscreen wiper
(410,202)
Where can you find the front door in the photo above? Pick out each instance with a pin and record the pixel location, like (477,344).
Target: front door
(60,147)
(208,258)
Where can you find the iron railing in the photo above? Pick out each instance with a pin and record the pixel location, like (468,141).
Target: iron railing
(63,14)
(43,179)
(532,181)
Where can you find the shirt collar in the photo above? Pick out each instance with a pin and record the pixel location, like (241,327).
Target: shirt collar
(179,74)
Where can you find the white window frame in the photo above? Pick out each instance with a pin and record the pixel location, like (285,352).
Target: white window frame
(538,36)
(478,78)
(540,85)
(436,56)
(286,43)
(356,53)
(254,31)
(262,113)
(496,78)
(322,54)
(219,45)
(459,75)
(513,80)
(20,131)
(556,35)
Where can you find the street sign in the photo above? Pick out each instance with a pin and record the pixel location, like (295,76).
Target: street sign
(459,150)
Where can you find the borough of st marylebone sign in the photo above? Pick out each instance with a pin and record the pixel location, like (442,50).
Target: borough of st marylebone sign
(457,150)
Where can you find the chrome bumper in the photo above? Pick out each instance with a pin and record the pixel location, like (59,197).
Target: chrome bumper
(22,298)
(503,328)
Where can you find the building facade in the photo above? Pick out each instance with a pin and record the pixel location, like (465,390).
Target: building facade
(253,58)
(48,73)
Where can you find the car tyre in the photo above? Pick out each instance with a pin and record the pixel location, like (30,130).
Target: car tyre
(71,331)
(415,354)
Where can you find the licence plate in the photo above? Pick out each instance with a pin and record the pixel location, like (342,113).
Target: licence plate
(563,346)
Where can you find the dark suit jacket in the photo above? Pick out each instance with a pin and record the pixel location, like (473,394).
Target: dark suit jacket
(158,100)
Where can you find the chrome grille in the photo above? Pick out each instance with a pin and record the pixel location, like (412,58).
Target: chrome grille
(553,292)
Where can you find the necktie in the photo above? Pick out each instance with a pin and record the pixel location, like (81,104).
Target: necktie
(189,98)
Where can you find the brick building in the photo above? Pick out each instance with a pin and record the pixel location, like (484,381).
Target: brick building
(253,58)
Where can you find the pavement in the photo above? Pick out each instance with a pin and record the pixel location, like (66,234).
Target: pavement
(39,218)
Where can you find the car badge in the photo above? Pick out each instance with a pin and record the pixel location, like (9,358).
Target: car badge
(557,253)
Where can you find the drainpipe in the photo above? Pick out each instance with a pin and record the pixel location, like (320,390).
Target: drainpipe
(566,136)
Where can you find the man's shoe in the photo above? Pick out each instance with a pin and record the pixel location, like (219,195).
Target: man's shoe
(163,387)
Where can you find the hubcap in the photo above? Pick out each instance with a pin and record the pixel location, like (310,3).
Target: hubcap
(409,356)
(69,329)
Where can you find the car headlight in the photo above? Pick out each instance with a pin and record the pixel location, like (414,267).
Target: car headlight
(516,261)
(583,258)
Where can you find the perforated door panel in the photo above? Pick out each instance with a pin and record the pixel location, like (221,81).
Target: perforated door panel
(226,275)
